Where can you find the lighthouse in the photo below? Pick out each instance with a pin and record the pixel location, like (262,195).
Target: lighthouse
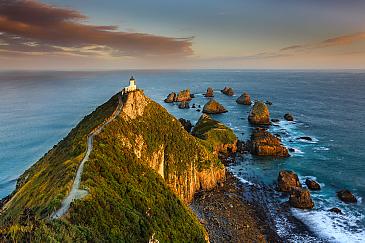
(132,85)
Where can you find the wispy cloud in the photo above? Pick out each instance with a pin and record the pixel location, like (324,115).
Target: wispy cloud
(29,26)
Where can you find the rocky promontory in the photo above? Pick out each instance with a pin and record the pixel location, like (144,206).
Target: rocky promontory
(213,107)
(263,143)
(259,114)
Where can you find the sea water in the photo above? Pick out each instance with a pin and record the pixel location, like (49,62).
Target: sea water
(37,109)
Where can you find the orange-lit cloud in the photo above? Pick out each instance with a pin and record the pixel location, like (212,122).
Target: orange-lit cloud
(28,26)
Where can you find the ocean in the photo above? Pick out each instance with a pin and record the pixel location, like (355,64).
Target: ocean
(37,109)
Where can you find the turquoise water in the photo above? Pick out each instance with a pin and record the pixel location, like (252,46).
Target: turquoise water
(37,109)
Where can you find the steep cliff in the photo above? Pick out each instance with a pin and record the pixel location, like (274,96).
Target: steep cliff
(142,168)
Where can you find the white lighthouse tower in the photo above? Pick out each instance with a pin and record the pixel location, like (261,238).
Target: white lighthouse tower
(132,86)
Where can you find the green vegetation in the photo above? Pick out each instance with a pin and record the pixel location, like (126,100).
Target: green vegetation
(127,201)
(213,132)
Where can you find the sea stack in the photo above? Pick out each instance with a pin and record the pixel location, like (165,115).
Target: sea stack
(209,93)
(213,107)
(228,91)
(170,98)
(244,99)
(259,114)
(287,180)
(263,143)
(183,95)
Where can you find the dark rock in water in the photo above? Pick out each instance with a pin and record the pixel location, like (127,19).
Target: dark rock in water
(312,185)
(305,138)
(193,106)
(199,106)
(244,99)
(346,196)
(170,98)
(192,96)
(213,107)
(186,124)
(198,110)
(242,147)
(183,95)
(209,93)
(228,91)
(301,198)
(263,143)
(277,135)
(275,120)
(259,114)
(287,180)
(288,117)
(335,210)
(291,150)
(268,102)
(184,105)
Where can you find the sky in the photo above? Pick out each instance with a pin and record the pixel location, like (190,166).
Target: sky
(168,34)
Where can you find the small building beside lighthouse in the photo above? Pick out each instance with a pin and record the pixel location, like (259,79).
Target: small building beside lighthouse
(132,86)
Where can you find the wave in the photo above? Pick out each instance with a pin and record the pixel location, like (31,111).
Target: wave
(332,227)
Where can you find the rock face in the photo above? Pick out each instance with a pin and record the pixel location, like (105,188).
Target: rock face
(228,91)
(301,198)
(312,185)
(213,107)
(263,143)
(183,95)
(184,105)
(220,137)
(346,196)
(288,117)
(287,180)
(209,93)
(259,114)
(170,98)
(244,99)
(186,124)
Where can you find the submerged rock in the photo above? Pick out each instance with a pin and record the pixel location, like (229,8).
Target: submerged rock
(288,117)
(193,106)
(209,93)
(259,114)
(183,95)
(228,91)
(213,107)
(244,99)
(312,185)
(346,196)
(171,98)
(305,138)
(268,102)
(186,124)
(275,120)
(301,198)
(287,180)
(335,210)
(263,143)
(184,105)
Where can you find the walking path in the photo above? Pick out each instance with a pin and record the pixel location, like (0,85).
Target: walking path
(76,192)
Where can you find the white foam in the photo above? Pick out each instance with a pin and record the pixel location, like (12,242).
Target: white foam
(321,148)
(242,180)
(330,226)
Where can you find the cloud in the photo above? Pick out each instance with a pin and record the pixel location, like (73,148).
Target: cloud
(30,26)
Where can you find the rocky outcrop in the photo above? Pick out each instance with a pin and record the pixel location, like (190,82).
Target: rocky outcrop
(289,117)
(183,95)
(220,137)
(312,185)
(335,210)
(346,196)
(263,143)
(184,105)
(135,104)
(259,114)
(186,124)
(209,93)
(213,107)
(244,99)
(171,98)
(301,198)
(287,180)
(228,91)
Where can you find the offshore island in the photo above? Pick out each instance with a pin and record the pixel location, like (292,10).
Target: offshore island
(131,172)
